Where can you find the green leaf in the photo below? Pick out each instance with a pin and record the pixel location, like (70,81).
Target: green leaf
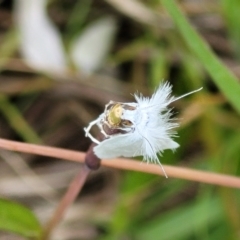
(230,11)
(220,74)
(181,223)
(18,219)
(17,121)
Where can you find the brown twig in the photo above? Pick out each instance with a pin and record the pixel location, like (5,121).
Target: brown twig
(72,192)
(127,164)
(92,162)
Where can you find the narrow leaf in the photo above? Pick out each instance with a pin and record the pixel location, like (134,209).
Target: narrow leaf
(221,75)
(181,222)
(18,219)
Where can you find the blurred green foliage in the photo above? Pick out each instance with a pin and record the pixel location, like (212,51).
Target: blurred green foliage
(18,219)
(150,207)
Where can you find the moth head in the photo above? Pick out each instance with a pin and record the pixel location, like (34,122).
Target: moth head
(114,114)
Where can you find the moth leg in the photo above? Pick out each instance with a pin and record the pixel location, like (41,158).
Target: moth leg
(90,125)
(102,131)
(91,137)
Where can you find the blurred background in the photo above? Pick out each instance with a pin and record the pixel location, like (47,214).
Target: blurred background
(61,61)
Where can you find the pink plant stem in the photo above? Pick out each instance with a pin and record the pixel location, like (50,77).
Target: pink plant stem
(177,172)
(92,162)
(127,164)
(69,197)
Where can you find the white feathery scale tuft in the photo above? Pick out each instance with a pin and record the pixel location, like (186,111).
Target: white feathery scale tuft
(143,128)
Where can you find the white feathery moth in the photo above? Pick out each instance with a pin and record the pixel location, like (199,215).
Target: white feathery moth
(141,128)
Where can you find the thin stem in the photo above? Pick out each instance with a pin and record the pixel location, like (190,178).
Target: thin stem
(69,197)
(42,150)
(176,172)
(127,164)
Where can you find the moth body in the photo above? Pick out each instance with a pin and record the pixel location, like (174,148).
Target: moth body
(142,128)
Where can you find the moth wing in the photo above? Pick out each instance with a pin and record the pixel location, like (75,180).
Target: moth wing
(126,145)
(169,144)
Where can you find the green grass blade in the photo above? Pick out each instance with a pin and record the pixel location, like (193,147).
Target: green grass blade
(8,47)
(18,219)
(181,223)
(16,120)
(220,74)
(230,11)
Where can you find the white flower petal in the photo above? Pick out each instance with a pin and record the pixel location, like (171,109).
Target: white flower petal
(89,50)
(40,41)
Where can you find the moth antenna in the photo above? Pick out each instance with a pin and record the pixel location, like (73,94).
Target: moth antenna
(184,95)
(172,99)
